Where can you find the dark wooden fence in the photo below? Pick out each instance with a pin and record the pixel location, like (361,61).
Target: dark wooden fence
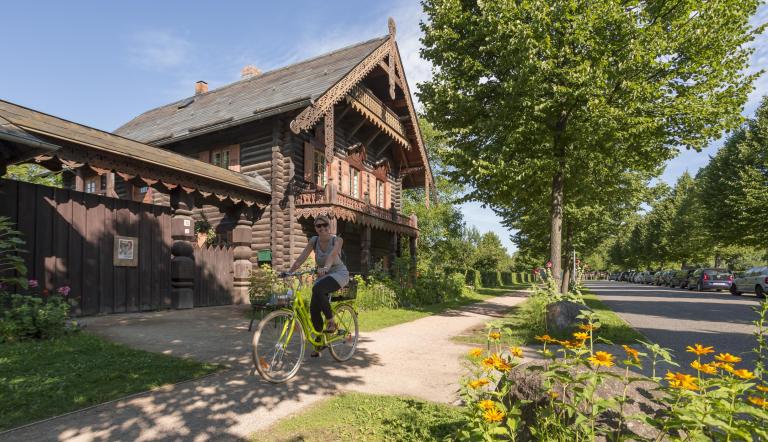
(70,239)
(214,274)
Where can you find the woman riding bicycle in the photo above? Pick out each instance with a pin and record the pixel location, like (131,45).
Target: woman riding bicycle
(332,274)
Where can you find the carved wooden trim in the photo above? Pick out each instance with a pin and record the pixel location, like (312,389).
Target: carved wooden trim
(329,136)
(309,116)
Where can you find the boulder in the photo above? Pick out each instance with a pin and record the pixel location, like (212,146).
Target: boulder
(562,317)
(527,390)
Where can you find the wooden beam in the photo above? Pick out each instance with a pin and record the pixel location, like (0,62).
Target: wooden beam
(356,128)
(343,114)
(372,137)
(383,147)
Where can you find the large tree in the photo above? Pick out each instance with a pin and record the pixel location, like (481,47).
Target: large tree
(538,97)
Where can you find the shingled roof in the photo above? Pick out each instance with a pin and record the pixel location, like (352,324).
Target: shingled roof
(248,99)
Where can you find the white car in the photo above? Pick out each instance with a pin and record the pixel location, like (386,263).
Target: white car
(753,280)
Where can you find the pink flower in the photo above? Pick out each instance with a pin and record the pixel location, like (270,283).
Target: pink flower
(64,290)
(549,264)
(32,283)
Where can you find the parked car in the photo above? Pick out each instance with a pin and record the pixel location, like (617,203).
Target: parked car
(680,278)
(639,276)
(648,277)
(753,280)
(613,277)
(667,277)
(658,278)
(706,279)
(623,276)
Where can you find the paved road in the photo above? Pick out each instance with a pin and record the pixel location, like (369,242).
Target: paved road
(676,318)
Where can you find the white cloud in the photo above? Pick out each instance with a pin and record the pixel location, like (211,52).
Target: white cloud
(158,50)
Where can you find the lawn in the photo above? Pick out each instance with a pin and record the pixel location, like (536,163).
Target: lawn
(377,319)
(364,417)
(518,329)
(40,379)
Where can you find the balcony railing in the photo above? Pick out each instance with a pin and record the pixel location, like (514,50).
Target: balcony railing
(363,99)
(329,196)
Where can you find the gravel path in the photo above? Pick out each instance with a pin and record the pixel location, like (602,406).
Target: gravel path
(416,359)
(676,318)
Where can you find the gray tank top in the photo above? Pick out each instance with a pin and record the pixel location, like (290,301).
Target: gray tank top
(338,270)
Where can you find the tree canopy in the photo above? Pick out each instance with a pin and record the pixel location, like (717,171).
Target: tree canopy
(549,104)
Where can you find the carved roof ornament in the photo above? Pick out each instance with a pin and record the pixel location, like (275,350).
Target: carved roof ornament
(392,27)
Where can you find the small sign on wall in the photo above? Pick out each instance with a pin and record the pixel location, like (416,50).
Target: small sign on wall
(126,251)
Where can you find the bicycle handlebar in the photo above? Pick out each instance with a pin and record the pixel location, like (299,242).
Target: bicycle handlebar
(299,273)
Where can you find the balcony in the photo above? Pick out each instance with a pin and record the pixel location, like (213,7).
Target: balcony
(329,201)
(365,102)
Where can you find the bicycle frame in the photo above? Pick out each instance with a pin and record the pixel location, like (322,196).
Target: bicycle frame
(301,314)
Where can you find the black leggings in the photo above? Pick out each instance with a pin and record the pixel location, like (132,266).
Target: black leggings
(320,301)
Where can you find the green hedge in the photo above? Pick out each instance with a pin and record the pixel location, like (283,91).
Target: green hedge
(472,277)
(507,278)
(491,279)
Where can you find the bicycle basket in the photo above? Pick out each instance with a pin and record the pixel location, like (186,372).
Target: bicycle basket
(281,300)
(346,293)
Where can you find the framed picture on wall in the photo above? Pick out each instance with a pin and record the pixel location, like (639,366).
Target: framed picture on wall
(126,252)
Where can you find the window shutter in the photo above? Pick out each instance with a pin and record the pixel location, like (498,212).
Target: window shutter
(309,159)
(344,186)
(204,156)
(234,157)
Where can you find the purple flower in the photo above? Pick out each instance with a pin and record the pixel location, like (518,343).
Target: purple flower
(64,290)
(32,283)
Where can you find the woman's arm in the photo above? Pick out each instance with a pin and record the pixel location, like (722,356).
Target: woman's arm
(303,257)
(334,253)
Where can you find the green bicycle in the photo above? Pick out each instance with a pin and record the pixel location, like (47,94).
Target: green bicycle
(280,338)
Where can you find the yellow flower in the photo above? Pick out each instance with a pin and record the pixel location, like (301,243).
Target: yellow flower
(516,352)
(477,383)
(601,358)
(500,364)
(572,344)
(493,415)
(487,404)
(589,327)
(699,349)
(704,368)
(631,353)
(553,394)
(581,336)
(727,367)
(744,373)
(476,352)
(544,338)
(760,402)
(487,363)
(728,358)
(682,380)
(494,336)
(762,388)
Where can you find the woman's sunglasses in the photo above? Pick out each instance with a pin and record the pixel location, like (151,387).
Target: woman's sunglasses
(317,226)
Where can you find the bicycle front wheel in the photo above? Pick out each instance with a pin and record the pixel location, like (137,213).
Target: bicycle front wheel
(344,343)
(278,346)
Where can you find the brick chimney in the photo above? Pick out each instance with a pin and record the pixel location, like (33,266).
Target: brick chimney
(249,71)
(201,87)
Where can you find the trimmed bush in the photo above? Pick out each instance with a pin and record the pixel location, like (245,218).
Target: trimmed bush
(507,278)
(491,279)
(374,294)
(30,317)
(472,277)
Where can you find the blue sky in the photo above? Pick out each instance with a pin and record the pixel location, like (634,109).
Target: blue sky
(101,63)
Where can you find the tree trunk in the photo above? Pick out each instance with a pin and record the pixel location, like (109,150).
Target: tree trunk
(568,260)
(718,260)
(558,184)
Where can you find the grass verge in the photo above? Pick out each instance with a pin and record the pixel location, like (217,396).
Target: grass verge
(46,378)
(518,329)
(378,319)
(364,417)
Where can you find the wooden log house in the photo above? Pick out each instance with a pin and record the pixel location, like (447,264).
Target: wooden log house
(336,135)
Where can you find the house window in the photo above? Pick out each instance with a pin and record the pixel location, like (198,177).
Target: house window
(220,158)
(90,185)
(354,182)
(379,193)
(320,168)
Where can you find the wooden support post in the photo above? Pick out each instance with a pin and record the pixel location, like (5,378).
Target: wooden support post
(393,246)
(79,181)
(242,237)
(365,250)
(182,261)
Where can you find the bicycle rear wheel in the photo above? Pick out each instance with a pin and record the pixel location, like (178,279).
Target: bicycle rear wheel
(278,346)
(344,343)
